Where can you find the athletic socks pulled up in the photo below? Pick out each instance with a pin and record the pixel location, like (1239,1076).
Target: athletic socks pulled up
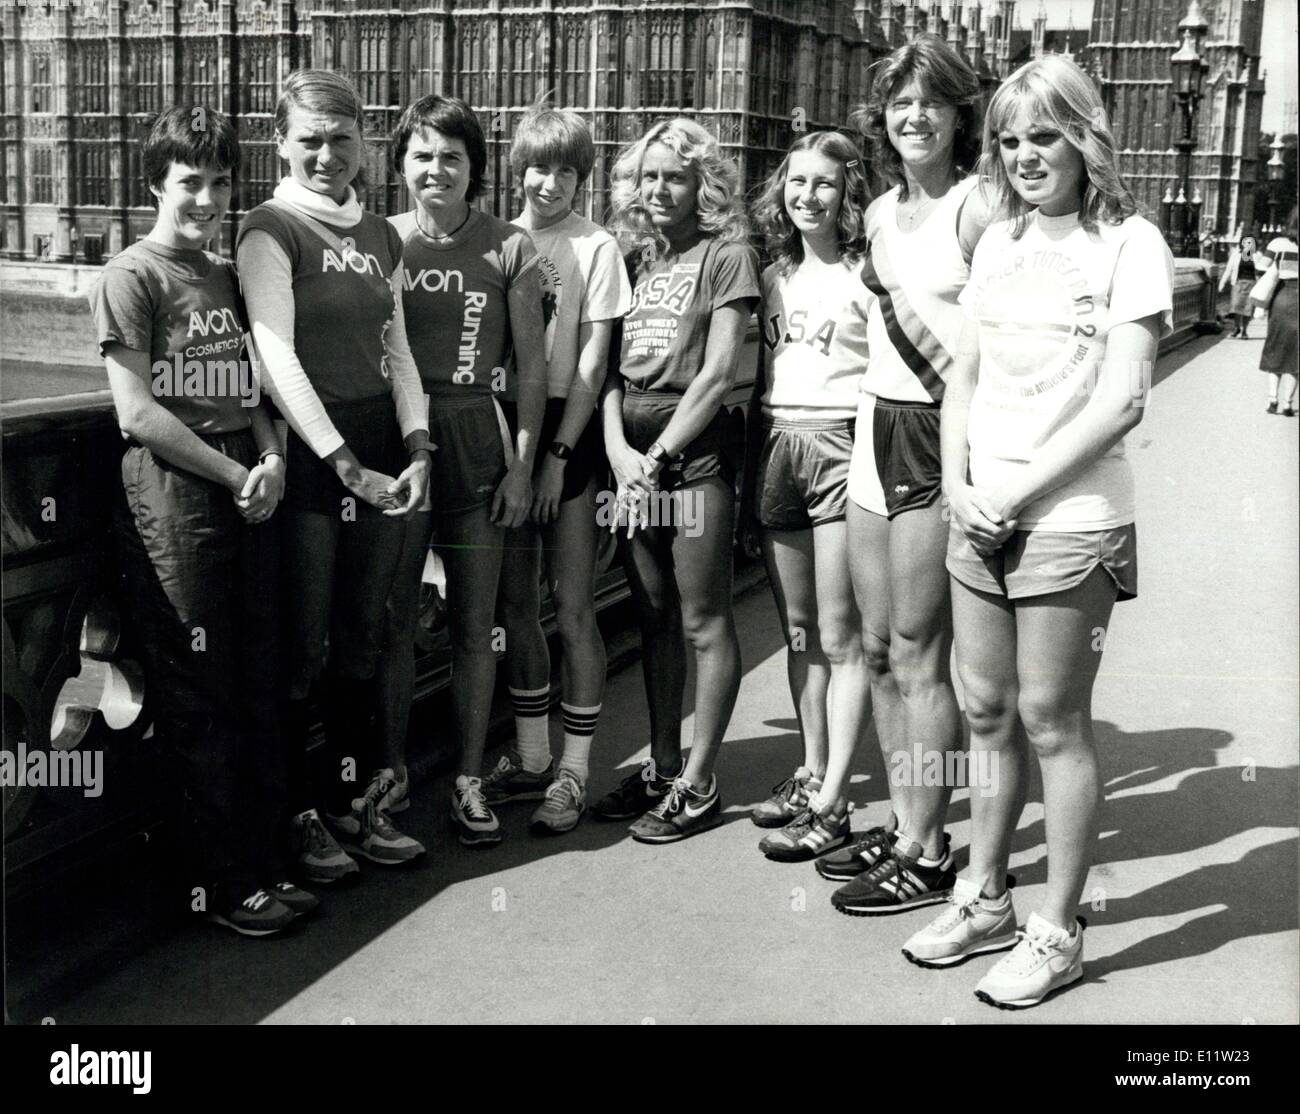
(579,727)
(532,739)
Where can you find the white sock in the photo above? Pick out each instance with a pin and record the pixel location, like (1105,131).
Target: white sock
(532,734)
(579,727)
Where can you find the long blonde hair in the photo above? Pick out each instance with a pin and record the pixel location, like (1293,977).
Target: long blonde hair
(719,209)
(1053,90)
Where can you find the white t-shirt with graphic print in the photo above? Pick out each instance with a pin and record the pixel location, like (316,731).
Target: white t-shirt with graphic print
(583,280)
(1045,304)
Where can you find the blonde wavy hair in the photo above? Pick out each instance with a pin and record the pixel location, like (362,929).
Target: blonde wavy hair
(1053,90)
(719,208)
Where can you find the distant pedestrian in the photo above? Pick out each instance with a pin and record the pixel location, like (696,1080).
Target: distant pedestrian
(1280,353)
(1240,274)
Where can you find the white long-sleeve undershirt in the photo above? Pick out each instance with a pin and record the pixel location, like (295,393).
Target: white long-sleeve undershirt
(266,276)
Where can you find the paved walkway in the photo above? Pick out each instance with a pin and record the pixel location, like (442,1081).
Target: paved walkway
(1195,912)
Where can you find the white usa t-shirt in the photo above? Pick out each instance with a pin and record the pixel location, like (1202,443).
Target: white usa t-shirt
(583,280)
(815,330)
(1045,305)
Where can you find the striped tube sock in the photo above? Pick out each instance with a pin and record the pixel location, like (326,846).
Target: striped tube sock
(532,739)
(579,727)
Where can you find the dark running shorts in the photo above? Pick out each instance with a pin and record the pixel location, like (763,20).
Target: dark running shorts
(368,427)
(470,462)
(1041,562)
(645,416)
(895,456)
(587,458)
(803,472)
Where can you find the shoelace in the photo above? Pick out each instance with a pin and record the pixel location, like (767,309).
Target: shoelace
(564,786)
(672,802)
(787,790)
(1029,952)
(958,910)
(256,901)
(317,838)
(472,803)
(503,769)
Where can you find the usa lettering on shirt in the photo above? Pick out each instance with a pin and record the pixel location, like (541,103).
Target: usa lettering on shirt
(671,291)
(795,331)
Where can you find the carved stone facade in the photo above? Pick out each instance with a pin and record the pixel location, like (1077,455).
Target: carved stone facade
(81,76)
(1128,55)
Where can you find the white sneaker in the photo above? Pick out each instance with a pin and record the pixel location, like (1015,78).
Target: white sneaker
(970,925)
(564,804)
(475,823)
(396,799)
(1045,959)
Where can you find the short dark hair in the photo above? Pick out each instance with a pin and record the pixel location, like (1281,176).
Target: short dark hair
(548,135)
(451,117)
(941,73)
(193,135)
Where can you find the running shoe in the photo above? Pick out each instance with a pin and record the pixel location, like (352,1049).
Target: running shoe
(1044,960)
(397,799)
(1271,408)
(368,832)
(787,801)
(971,925)
(259,914)
(897,882)
(1288,412)
(683,812)
(863,853)
(565,802)
(636,794)
(807,836)
(321,858)
(298,900)
(509,781)
(476,824)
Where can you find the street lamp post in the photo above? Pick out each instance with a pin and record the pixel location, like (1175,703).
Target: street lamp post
(1276,169)
(1187,70)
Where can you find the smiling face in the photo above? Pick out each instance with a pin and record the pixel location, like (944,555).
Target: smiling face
(323,151)
(1044,168)
(437,170)
(549,189)
(814,192)
(192,200)
(921,128)
(669,186)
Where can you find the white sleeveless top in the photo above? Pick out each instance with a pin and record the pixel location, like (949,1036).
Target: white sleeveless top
(914,322)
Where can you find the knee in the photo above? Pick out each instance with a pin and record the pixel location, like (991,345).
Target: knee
(841,641)
(576,620)
(988,705)
(706,630)
(875,655)
(1051,726)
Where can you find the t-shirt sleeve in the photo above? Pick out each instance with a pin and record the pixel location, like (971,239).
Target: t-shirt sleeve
(735,276)
(518,256)
(609,294)
(1143,282)
(122,308)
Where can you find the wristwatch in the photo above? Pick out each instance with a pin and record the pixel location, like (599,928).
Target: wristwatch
(560,450)
(659,455)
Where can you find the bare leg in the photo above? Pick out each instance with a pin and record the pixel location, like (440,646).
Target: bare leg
(570,551)
(985,631)
(920,648)
(841,640)
(703,573)
(1060,645)
(792,575)
(868,546)
(471,552)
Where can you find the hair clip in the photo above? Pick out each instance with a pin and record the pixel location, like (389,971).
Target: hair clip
(851,163)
